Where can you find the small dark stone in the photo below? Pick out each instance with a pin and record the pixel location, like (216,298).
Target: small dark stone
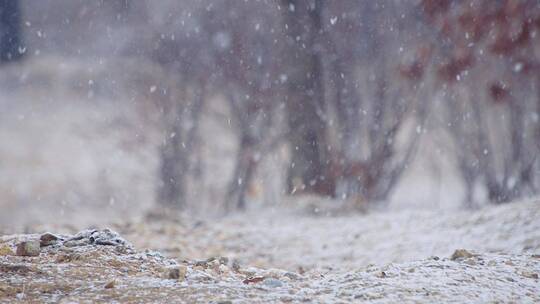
(173,273)
(201,263)
(48,239)
(110,285)
(382,274)
(176,272)
(236,265)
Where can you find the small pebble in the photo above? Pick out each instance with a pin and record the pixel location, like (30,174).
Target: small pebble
(271,282)
(110,285)
(382,275)
(176,272)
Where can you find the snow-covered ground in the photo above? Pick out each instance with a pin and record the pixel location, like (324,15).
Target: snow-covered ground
(282,256)
(292,239)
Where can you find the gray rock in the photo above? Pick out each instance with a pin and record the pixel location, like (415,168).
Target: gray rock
(273,283)
(175,272)
(82,235)
(461,254)
(48,239)
(75,243)
(105,237)
(28,248)
(292,276)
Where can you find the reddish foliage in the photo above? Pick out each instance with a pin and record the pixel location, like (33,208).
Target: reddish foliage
(473,25)
(506,43)
(332,173)
(498,92)
(461,61)
(415,70)
(435,7)
(509,29)
(341,169)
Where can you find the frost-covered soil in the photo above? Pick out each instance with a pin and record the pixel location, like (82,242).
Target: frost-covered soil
(292,239)
(288,256)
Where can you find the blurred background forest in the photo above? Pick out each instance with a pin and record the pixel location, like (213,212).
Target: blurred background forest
(110,108)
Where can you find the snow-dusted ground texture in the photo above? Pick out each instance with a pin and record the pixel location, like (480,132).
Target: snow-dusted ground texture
(284,256)
(292,239)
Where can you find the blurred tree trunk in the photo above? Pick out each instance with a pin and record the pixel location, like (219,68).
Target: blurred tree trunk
(243,174)
(10,30)
(254,125)
(305,96)
(177,149)
(172,191)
